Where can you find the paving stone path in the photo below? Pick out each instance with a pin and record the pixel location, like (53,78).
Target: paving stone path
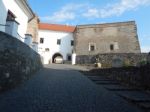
(61,88)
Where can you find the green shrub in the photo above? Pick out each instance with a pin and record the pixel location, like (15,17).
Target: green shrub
(127,63)
(106,65)
(143,62)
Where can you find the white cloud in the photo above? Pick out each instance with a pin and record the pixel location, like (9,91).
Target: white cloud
(74,11)
(59,17)
(68,12)
(145,49)
(115,9)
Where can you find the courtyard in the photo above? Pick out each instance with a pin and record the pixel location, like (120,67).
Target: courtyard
(62,88)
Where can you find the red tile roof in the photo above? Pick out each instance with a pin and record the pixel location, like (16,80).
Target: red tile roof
(56,27)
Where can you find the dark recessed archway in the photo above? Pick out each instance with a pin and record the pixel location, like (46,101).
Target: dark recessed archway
(56,55)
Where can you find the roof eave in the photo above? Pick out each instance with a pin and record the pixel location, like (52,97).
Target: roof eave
(26,8)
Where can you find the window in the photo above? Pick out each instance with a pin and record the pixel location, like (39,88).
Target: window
(111,47)
(69,57)
(46,49)
(114,46)
(72,43)
(41,40)
(92,47)
(58,41)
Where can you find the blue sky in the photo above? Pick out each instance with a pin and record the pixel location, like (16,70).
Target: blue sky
(74,12)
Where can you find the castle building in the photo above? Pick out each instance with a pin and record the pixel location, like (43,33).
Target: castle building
(55,41)
(63,42)
(118,37)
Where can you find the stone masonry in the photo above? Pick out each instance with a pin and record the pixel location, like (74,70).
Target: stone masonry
(17,61)
(106,38)
(128,59)
(33,28)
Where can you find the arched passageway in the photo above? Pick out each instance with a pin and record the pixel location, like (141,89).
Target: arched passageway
(57,58)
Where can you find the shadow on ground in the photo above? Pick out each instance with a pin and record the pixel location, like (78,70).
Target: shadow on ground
(58,88)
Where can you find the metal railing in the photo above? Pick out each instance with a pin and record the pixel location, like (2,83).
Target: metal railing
(4,25)
(20,36)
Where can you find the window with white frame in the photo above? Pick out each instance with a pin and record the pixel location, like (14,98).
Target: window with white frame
(92,46)
(111,47)
(72,43)
(69,57)
(58,41)
(114,46)
(47,49)
(41,40)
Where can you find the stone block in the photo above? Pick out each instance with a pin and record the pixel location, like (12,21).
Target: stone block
(117,62)
(148,58)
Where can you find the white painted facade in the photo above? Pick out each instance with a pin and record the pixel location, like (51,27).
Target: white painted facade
(22,12)
(73,58)
(50,42)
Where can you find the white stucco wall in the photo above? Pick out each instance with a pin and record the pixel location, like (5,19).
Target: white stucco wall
(3,15)
(21,17)
(50,41)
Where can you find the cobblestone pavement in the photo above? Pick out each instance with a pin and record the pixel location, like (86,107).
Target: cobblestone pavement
(59,88)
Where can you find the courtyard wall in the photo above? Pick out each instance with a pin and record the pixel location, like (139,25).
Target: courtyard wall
(18,61)
(131,76)
(107,60)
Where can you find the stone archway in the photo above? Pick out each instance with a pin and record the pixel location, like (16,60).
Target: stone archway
(56,55)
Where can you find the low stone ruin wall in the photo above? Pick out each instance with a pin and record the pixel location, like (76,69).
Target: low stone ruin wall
(85,59)
(113,59)
(132,76)
(17,61)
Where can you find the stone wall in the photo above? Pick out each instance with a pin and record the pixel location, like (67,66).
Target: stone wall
(106,38)
(128,59)
(17,61)
(131,76)
(33,28)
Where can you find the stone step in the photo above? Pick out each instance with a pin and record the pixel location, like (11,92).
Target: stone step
(144,105)
(134,96)
(120,88)
(99,79)
(106,82)
(91,74)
